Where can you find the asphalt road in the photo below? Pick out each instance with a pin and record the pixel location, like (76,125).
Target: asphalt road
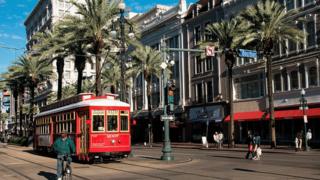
(22,163)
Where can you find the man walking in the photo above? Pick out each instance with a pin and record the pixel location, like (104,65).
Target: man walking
(64,147)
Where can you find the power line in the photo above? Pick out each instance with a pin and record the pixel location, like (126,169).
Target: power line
(11,48)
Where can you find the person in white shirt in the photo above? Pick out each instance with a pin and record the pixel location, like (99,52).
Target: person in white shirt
(216,138)
(309,136)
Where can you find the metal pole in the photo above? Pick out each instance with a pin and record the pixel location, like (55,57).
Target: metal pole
(123,51)
(166,150)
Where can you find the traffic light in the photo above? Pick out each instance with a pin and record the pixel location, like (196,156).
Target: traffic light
(171,89)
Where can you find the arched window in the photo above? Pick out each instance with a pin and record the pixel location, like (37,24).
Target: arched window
(294,80)
(313,76)
(277,82)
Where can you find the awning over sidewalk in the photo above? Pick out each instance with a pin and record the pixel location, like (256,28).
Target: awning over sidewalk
(279,115)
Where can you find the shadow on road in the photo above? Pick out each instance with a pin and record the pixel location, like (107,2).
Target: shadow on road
(229,157)
(264,172)
(48,175)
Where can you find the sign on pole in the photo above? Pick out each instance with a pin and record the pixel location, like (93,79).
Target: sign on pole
(210,51)
(245,53)
(305,118)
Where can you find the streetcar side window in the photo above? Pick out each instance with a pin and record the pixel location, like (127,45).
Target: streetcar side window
(124,124)
(98,121)
(112,120)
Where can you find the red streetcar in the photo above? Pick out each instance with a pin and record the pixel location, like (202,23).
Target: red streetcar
(99,126)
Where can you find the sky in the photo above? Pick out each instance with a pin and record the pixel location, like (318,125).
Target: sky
(12,30)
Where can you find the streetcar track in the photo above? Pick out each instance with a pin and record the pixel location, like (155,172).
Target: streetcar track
(80,177)
(160,169)
(15,171)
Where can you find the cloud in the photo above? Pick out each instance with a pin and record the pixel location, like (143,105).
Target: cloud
(17,37)
(20,5)
(2,1)
(11,36)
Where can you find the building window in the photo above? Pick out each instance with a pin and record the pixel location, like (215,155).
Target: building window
(290,4)
(311,38)
(301,44)
(209,92)
(313,76)
(250,86)
(199,93)
(285,79)
(68,64)
(298,3)
(306,2)
(277,82)
(67,74)
(294,80)
(209,63)
(208,35)
(292,46)
(197,35)
(198,65)
(302,76)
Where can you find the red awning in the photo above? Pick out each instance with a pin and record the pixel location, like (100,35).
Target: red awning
(246,116)
(279,115)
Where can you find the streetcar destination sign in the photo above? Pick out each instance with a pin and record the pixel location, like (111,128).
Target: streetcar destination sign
(245,53)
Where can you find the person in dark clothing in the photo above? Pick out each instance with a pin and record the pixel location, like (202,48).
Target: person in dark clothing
(250,145)
(64,147)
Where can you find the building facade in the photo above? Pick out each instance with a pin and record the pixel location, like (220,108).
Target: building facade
(41,19)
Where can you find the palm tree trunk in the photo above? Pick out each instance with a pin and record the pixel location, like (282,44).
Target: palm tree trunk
(15,96)
(32,94)
(20,112)
(270,98)
(98,75)
(149,113)
(60,66)
(231,123)
(80,63)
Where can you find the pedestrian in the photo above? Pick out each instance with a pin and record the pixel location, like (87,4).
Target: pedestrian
(298,141)
(250,145)
(64,147)
(220,138)
(256,147)
(309,136)
(216,138)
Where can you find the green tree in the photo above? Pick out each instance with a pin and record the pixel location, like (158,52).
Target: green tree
(269,22)
(50,48)
(227,36)
(95,18)
(16,83)
(147,61)
(34,72)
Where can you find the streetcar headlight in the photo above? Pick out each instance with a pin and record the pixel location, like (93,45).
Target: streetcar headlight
(113,141)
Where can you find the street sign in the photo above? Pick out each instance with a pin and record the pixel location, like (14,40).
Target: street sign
(167,117)
(210,51)
(245,53)
(305,118)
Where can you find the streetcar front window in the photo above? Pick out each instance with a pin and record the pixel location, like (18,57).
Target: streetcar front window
(112,122)
(98,120)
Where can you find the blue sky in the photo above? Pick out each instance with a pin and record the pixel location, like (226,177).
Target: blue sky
(12,30)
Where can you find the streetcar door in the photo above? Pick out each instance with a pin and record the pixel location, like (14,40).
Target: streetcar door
(84,132)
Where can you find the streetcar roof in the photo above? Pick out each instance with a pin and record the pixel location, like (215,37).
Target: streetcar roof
(91,102)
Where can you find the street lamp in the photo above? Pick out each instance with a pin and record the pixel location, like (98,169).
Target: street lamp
(304,107)
(166,150)
(122,21)
(230,59)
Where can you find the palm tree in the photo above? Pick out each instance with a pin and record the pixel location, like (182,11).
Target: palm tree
(34,72)
(50,48)
(147,61)
(95,16)
(227,36)
(16,83)
(269,23)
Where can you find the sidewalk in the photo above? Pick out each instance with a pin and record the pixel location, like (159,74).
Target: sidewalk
(238,148)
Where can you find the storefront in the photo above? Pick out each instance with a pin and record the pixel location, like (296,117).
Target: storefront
(288,123)
(204,121)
